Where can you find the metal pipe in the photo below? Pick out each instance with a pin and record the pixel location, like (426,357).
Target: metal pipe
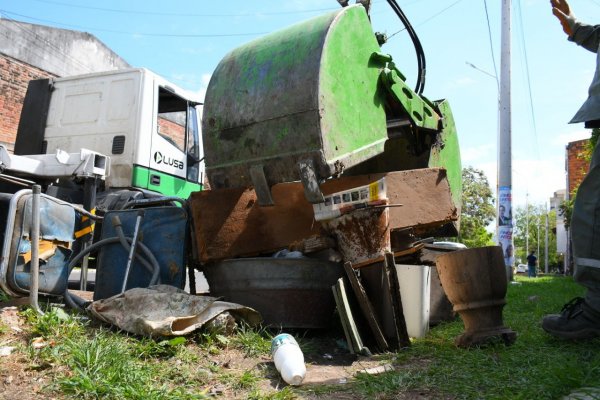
(136,231)
(34,234)
(89,203)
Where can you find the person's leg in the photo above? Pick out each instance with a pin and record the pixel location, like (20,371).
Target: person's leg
(580,318)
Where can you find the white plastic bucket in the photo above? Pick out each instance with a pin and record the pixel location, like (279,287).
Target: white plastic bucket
(415,286)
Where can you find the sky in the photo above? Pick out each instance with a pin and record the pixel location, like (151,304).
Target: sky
(185,40)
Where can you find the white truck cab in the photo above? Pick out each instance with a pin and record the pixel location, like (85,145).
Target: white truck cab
(148,127)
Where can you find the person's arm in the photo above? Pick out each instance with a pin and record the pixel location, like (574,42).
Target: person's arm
(587,36)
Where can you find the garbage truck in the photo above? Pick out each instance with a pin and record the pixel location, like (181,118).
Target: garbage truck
(314,101)
(321,99)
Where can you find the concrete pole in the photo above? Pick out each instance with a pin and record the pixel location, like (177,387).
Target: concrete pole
(505,231)
(538,238)
(527,224)
(546,243)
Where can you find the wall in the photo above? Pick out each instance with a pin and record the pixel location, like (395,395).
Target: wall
(14,77)
(29,51)
(61,52)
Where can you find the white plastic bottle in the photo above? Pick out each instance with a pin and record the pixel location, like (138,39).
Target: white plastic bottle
(288,358)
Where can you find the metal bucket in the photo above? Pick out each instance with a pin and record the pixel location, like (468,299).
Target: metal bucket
(288,292)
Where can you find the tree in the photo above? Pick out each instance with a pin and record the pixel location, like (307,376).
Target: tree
(477,209)
(527,221)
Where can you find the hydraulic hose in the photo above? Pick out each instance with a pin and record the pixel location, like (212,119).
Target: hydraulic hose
(420,86)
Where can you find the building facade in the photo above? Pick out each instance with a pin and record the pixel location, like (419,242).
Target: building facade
(29,51)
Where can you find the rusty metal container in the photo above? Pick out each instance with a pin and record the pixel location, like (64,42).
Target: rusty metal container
(363,236)
(288,292)
(306,93)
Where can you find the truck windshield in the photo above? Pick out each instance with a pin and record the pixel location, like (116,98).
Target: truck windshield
(172,118)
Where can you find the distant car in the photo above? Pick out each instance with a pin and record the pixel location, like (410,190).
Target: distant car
(522,268)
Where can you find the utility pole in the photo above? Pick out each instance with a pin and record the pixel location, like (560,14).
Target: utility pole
(527,223)
(546,243)
(537,239)
(504,190)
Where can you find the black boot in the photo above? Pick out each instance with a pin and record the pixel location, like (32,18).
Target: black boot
(577,320)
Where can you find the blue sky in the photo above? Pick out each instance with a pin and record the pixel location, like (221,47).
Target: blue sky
(185,40)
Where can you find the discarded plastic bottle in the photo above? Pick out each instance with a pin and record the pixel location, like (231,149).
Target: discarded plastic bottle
(288,358)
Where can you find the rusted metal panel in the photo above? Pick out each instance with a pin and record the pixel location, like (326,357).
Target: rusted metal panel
(229,223)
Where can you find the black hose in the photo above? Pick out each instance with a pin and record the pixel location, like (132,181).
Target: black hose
(420,86)
(151,264)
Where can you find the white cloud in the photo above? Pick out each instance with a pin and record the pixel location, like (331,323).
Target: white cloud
(536,181)
(462,82)
(564,138)
(533,181)
(470,155)
(204,80)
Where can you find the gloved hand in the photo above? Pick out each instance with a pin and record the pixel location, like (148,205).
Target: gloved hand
(562,11)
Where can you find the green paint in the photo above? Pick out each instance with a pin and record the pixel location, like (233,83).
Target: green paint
(169,185)
(446,153)
(418,109)
(351,106)
(308,91)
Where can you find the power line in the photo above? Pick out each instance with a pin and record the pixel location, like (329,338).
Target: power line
(161,13)
(152,34)
(527,77)
(427,19)
(487,17)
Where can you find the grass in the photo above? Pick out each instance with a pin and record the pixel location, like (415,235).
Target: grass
(92,362)
(535,366)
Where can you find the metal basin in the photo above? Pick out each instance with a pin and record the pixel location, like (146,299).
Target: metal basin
(288,292)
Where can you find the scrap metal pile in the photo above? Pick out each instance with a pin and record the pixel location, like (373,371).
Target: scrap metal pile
(319,153)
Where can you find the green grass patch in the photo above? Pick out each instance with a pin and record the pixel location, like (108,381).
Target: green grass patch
(254,342)
(535,366)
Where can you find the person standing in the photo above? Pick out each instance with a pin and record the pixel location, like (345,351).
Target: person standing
(580,317)
(532,264)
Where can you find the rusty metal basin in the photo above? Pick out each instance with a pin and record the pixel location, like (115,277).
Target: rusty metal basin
(288,292)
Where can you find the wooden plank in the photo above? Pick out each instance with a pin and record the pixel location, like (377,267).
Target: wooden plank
(400,253)
(366,307)
(346,313)
(343,318)
(392,280)
(424,194)
(229,223)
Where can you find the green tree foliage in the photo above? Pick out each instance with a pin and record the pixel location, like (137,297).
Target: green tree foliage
(477,209)
(531,221)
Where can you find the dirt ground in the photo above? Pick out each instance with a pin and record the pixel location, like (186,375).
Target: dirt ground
(328,364)
(19,378)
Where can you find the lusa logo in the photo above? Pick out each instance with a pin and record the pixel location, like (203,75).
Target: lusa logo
(160,159)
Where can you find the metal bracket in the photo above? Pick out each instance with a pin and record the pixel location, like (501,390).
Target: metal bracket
(261,187)
(308,176)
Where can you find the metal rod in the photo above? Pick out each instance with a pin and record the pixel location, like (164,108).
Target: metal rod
(136,231)
(34,265)
(89,203)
